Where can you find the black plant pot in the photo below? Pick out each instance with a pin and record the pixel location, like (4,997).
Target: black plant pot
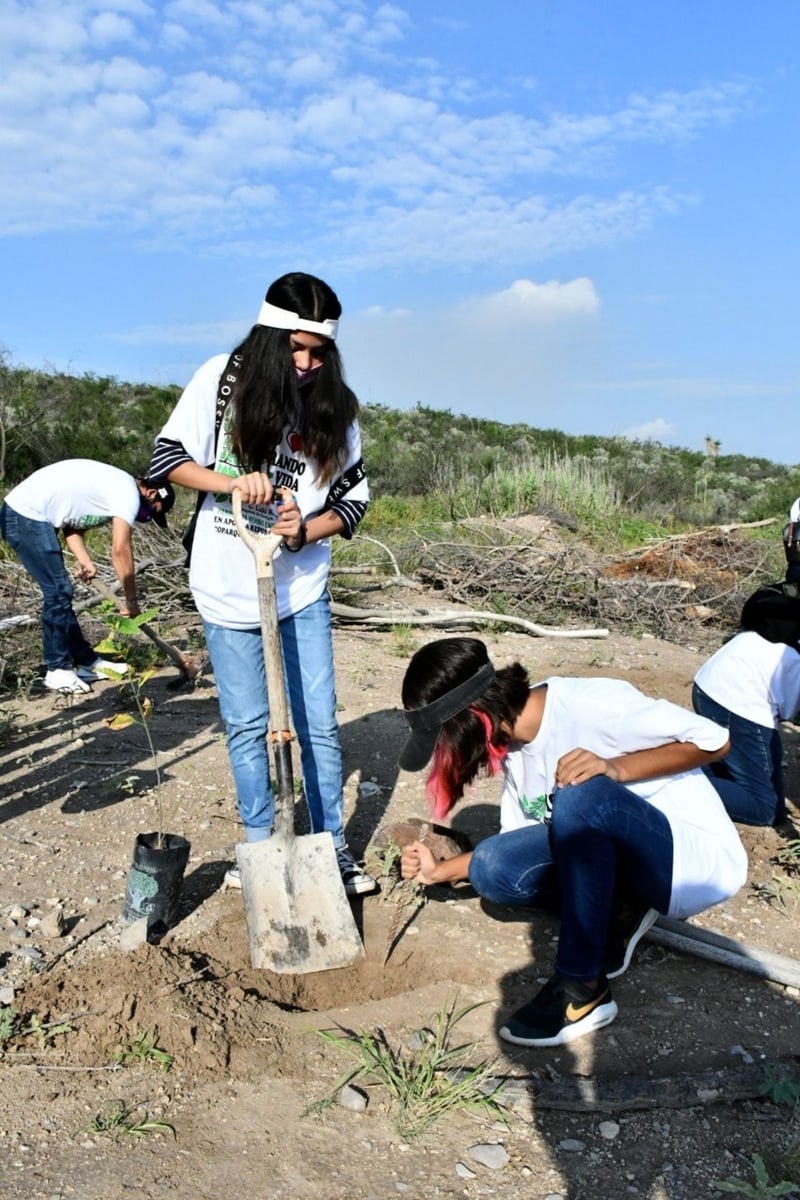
(155,879)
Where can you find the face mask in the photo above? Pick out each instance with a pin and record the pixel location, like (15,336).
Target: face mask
(306,376)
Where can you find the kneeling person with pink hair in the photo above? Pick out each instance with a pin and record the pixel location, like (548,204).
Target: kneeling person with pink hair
(605,814)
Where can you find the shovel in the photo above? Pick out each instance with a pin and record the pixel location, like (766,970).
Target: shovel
(298,916)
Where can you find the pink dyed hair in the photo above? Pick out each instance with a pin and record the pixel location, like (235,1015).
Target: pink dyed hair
(441,787)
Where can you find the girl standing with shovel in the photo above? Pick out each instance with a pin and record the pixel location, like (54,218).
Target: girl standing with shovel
(274,414)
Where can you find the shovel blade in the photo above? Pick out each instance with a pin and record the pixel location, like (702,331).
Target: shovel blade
(298,916)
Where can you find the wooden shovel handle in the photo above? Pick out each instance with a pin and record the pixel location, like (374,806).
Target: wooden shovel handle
(263,547)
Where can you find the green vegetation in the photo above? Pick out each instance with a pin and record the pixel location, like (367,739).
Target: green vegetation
(426,465)
(762,1185)
(46,416)
(459,463)
(120,1121)
(425,1083)
(13,1024)
(121,630)
(144,1048)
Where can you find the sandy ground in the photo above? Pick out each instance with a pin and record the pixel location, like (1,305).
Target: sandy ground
(644,1119)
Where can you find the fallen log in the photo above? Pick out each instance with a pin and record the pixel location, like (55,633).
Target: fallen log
(705,943)
(453,619)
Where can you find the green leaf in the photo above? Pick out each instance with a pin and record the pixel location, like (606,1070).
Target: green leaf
(107,646)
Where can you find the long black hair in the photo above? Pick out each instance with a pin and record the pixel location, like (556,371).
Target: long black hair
(266,396)
(476,739)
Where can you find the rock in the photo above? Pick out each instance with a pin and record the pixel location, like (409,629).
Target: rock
(608,1130)
(368,789)
(572,1145)
(6,995)
(490,1154)
(53,924)
(463,1171)
(442,842)
(353,1098)
(30,955)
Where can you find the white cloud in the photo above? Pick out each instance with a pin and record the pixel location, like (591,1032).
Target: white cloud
(381,159)
(108,27)
(526,301)
(656,430)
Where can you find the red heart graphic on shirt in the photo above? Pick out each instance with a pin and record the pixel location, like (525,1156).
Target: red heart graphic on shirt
(295,442)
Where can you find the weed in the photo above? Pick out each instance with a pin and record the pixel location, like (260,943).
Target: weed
(404,643)
(128,784)
(119,1121)
(781,1090)
(45,1031)
(144,1048)
(425,1083)
(789,856)
(8,1023)
(12,1024)
(384,860)
(8,723)
(762,1185)
(781,893)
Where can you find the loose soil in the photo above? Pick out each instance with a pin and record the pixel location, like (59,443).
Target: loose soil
(247,1059)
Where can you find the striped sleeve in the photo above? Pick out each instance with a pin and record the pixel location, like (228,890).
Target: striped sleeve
(348,497)
(166,456)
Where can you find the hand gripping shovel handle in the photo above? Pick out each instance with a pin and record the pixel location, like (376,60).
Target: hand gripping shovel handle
(263,546)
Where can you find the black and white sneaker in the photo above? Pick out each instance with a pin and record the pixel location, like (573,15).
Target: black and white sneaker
(563,1011)
(233,878)
(629,924)
(355,879)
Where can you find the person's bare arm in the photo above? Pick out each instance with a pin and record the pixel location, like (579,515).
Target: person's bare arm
(670,759)
(255,487)
(76,545)
(122,562)
(418,862)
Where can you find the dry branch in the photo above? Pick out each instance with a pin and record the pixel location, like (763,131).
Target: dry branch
(451,619)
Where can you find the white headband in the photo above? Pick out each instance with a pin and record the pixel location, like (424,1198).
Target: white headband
(281,318)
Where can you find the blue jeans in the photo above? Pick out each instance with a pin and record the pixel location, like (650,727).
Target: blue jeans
(37,547)
(749,779)
(237,657)
(604,845)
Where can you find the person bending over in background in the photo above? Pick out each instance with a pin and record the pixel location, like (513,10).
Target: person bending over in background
(276,413)
(604,814)
(72,496)
(749,685)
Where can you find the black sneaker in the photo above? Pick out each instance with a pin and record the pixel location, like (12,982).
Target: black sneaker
(563,1011)
(628,926)
(355,879)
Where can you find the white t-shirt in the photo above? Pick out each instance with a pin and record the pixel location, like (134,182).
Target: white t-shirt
(222,572)
(754,678)
(610,717)
(78,492)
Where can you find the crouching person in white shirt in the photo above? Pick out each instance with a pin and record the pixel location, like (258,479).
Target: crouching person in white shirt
(605,813)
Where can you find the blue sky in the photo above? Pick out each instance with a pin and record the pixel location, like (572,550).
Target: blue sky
(577,215)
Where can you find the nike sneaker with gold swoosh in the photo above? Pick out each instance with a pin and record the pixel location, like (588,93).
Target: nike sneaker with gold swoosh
(563,1011)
